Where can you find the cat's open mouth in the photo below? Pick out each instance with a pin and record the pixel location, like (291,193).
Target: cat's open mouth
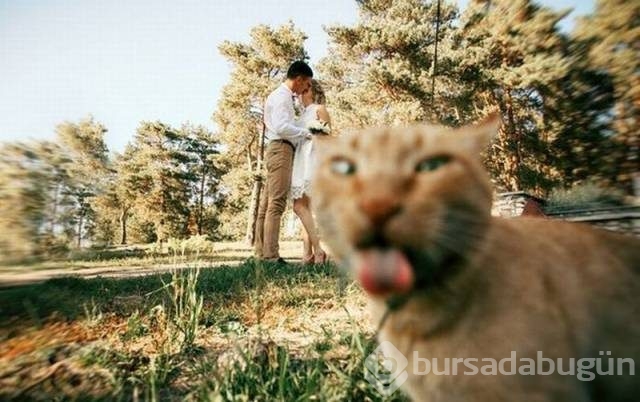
(384,271)
(381,268)
(384,268)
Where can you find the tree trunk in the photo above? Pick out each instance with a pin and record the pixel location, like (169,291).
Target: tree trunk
(123,226)
(55,210)
(254,208)
(254,204)
(201,201)
(159,234)
(515,157)
(80,221)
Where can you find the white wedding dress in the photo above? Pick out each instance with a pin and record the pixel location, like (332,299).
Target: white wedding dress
(304,158)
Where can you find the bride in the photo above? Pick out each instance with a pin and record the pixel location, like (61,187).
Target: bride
(303,165)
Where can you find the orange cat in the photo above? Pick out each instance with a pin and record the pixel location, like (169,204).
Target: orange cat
(407,210)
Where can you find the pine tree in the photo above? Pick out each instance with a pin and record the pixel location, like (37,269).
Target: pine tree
(157,172)
(113,205)
(84,146)
(381,70)
(204,149)
(612,33)
(510,53)
(574,122)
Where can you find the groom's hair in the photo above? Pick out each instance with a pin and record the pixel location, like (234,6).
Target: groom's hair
(299,68)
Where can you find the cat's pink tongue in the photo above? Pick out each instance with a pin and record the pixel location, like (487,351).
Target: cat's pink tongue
(384,271)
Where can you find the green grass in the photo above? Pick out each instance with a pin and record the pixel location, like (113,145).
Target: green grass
(68,296)
(264,333)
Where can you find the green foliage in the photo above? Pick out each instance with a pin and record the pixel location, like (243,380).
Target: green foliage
(84,146)
(569,105)
(47,189)
(166,184)
(583,196)
(234,208)
(135,327)
(510,53)
(202,147)
(68,295)
(555,93)
(580,144)
(265,371)
(24,199)
(610,36)
(194,246)
(380,70)
(159,180)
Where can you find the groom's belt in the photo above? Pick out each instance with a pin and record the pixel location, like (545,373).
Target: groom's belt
(284,142)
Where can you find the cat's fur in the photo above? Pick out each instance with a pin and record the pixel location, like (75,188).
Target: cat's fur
(479,286)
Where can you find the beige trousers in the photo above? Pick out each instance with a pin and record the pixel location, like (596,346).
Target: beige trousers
(278,160)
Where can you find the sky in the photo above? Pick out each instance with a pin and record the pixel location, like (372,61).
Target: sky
(128,61)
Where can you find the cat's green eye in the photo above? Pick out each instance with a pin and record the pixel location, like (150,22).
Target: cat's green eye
(432,163)
(343,167)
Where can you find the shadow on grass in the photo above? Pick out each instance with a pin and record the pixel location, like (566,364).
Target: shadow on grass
(68,297)
(259,371)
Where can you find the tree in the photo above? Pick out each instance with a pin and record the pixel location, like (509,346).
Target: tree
(381,70)
(258,67)
(575,109)
(159,179)
(500,54)
(53,163)
(114,203)
(165,184)
(87,164)
(68,173)
(612,33)
(203,148)
(509,55)
(24,185)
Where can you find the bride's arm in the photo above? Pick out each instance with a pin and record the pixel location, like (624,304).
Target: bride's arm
(323,115)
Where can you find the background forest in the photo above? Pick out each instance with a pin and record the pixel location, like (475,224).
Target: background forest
(570,104)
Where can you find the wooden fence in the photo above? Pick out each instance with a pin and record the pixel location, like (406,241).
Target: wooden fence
(625,219)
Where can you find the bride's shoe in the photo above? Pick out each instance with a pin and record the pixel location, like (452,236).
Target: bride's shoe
(320,257)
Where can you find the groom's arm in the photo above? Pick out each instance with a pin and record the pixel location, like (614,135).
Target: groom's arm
(282,121)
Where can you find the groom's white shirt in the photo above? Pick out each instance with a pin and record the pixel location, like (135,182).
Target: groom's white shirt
(279,116)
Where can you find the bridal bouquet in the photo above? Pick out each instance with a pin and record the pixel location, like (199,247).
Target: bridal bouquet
(318,127)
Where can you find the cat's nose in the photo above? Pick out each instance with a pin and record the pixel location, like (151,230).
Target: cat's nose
(380,209)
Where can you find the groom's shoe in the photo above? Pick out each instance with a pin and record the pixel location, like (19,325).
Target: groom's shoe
(276,261)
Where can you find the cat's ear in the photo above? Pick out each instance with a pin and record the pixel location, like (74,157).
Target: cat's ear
(478,136)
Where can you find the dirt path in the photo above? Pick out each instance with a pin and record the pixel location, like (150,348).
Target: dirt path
(226,253)
(25,278)
(10,279)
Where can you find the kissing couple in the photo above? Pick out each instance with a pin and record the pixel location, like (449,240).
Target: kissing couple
(290,161)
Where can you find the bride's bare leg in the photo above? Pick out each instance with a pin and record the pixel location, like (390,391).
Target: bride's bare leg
(301,208)
(307,251)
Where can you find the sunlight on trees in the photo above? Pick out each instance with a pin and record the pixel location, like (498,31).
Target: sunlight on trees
(570,104)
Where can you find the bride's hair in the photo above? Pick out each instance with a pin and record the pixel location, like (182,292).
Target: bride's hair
(318,92)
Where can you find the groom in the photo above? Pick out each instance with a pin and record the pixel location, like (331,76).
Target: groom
(281,135)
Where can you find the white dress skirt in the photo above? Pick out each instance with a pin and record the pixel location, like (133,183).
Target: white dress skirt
(304,156)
